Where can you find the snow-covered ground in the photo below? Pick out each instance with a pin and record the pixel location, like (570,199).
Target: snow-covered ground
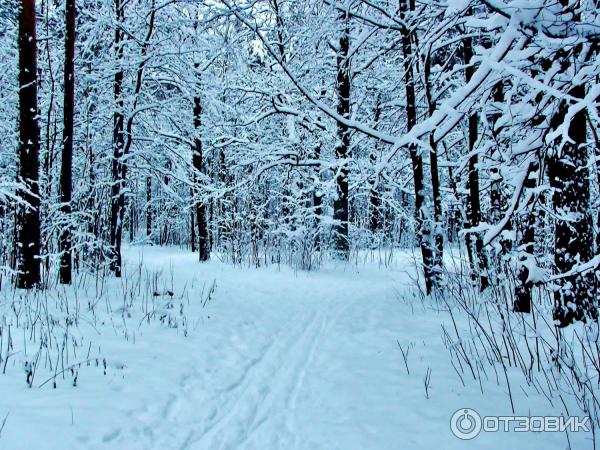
(276,359)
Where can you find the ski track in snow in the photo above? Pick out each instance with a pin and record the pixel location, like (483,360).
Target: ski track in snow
(266,392)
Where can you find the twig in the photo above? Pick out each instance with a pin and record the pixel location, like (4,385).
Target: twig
(404,355)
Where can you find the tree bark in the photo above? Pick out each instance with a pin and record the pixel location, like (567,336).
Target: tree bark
(375,198)
(117,204)
(280,30)
(123,132)
(317,204)
(149,207)
(197,161)
(28,228)
(343,87)
(193,231)
(421,231)
(496,198)
(522,302)
(474,241)
(317,194)
(574,235)
(438,231)
(66,176)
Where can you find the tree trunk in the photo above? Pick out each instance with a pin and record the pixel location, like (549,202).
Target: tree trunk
(149,208)
(122,146)
(317,203)
(421,231)
(496,200)
(597,154)
(203,247)
(28,228)
(133,218)
(166,210)
(474,241)
(117,201)
(524,286)
(280,30)
(317,194)
(66,183)
(574,235)
(193,231)
(340,204)
(375,198)
(438,230)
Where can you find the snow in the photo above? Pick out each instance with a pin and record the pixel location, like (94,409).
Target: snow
(276,359)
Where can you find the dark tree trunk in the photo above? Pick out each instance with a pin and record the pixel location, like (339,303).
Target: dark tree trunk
(597,153)
(474,241)
(203,248)
(122,146)
(375,205)
(524,286)
(149,207)
(117,203)
(133,221)
(438,230)
(421,231)
(164,233)
(343,86)
(568,171)
(280,30)
(317,194)
(197,161)
(496,198)
(225,224)
(211,228)
(317,204)
(375,198)
(193,231)
(28,228)
(526,226)
(66,177)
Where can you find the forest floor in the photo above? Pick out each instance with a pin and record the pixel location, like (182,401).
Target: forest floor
(275,359)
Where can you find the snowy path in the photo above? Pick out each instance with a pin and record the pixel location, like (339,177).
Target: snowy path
(276,337)
(277,360)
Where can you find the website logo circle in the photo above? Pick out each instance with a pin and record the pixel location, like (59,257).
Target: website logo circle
(465,424)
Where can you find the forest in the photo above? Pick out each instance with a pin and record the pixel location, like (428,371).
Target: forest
(275,184)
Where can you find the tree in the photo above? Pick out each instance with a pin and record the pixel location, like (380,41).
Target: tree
(123,129)
(28,228)
(343,89)
(422,231)
(66,182)
(437,225)
(117,201)
(475,249)
(375,198)
(197,161)
(568,171)
(525,255)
